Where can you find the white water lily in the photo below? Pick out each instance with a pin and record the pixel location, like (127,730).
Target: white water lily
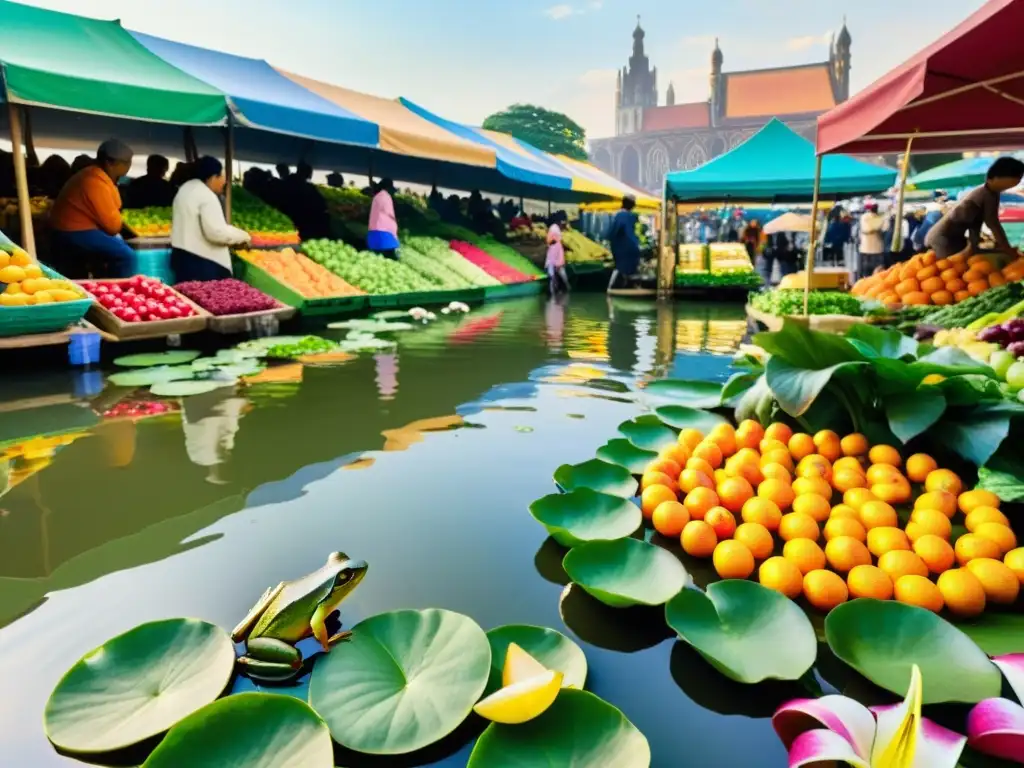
(458,306)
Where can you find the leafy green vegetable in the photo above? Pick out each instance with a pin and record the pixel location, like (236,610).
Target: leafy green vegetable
(309,345)
(740,279)
(967,311)
(783,302)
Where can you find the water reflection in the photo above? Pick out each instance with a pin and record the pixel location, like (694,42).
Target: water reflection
(210,423)
(618,629)
(548,562)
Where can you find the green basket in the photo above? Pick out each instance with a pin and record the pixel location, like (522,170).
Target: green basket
(262,280)
(42,318)
(532,288)
(385,300)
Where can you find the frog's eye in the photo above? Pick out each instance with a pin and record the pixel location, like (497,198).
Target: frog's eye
(344,576)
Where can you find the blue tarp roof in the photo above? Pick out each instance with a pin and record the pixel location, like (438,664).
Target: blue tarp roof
(263,98)
(510,164)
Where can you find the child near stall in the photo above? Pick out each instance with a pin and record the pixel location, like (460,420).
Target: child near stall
(554,264)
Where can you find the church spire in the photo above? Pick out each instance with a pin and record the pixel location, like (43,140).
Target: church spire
(844,36)
(638,40)
(670,96)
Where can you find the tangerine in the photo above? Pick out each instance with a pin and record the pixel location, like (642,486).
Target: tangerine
(748,470)
(962,592)
(774,471)
(878,514)
(845,553)
(845,479)
(665,466)
(971,546)
(1014,560)
(749,434)
(943,480)
(968,501)
(757,538)
(893,493)
(825,590)
(869,581)
(733,493)
(654,495)
(698,539)
(720,476)
(691,438)
(710,452)
(935,552)
(919,466)
(722,520)
(885,454)
(778,431)
(725,440)
(777,491)
(680,454)
(851,463)
(699,501)
(918,590)
(804,554)
(801,445)
(1000,534)
(669,518)
(813,505)
(900,562)
(763,512)
(884,539)
(814,485)
(782,575)
(814,465)
(1000,583)
(854,444)
(943,501)
(769,444)
(877,474)
(658,478)
(701,465)
(856,497)
(777,456)
(925,521)
(980,515)
(732,560)
(844,510)
(798,525)
(844,526)
(828,444)
(694,478)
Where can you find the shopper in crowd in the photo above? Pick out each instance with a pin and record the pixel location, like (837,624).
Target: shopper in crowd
(86,217)
(624,243)
(335,180)
(872,245)
(837,235)
(52,175)
(200,235)
(283,170)
(554,263)
(183,172)
(960,229)
(153,189)
(752,239)
(382,235)
(81,162)
(305,206)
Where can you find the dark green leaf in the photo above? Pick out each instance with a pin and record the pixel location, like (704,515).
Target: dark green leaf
(977,432)
(585,515)
(911,414)
(969,389)
(648,432)
(622,452)
(599,476)
(796,388)
(1004,473)
(737,385)
(876,342)
(552,649)
(680,417)
(696,394)
(149,359)
(748,406)
(803,348)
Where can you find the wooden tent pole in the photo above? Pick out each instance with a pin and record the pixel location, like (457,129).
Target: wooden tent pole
(229,162)
(897,235)
(814,235)
(28,236)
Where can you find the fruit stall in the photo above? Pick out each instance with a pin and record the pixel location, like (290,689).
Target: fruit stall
(715,270)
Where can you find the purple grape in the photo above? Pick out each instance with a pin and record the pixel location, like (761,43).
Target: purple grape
(994,333)
(1016,349)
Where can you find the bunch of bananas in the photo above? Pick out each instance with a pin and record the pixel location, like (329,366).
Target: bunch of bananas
(580,248)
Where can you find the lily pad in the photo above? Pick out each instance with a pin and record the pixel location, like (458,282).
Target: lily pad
(265,343)
(626,572)
(237,370)
(145,377)
(584,515)
(747,632)
(138,685)
(578,730)
(405,680)
(598,476)
(552,649)
(390,314)
(648,433)
(248,729)
(371,326)
(695,394)
(187,388)
(682,417)
(622,452)
(148,359)
(883,640)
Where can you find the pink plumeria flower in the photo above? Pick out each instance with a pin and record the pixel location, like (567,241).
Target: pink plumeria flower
(996,726)
(837,728)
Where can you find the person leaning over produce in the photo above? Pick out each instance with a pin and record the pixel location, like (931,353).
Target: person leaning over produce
(625,245)
(382,234)
(200,235)
(86,217)
(959,231)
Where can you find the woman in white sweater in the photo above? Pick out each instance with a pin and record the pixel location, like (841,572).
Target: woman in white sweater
(200,235)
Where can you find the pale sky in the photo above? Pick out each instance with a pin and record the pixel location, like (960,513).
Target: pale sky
(464,59)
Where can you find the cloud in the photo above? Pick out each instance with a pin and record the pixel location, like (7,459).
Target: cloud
(807,41)
(559,12)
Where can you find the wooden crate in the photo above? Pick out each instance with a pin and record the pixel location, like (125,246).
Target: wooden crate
(240,323)
(105,320)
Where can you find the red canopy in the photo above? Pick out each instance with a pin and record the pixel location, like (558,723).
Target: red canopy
(965,91)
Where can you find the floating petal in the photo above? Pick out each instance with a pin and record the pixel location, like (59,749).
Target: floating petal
(996,727)
(848,718)
(819,747)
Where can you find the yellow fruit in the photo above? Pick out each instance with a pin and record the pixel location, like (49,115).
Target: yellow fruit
(757,538)
(885,454)
(851,463)
(856,497)
(844,526)
(522,701)
(854,445)
(814,465)
(1015,562)
(943,480)
(813,505)
(12,274)
(1000,583)
(970,546)
(845,479)
(844,510)
(43,297)
(1000,534)
(5,259)
(698,539)
(878,474)
(773,471)
(919,466)
(943,501)
(798,525)
(12,287)
(691,438)
(884,539)
(778,431)
(732,560)
(935,552)
(669,518)
(893,493)
(899,562)
(20,258)
(800,445)
(828,444)
(917,590)
(804,554)
(31,270)
(962,592)
(845,553)
(519,666)
(779,492)
(878,514)
(869,581)
(812,485)
(654,495)
(763,511)
(782,575)
(980,515)
(928,521)
(968,501)
(825,590)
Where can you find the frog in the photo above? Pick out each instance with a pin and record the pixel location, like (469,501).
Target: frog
(293,611)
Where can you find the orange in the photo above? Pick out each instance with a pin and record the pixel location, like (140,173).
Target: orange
(747,456)
(698,539)
(748,470)
(814,465)
(814,506)
(778,431)
(694,478)
(777,456)
(815,485)
(732,560)
(757,539)
(749,434)
(844,510)
(894,493)
(734,492)
(869,581)
(847,463)
(899,562)
(804,554)
(879,473)
(1014,560)
(669,518)
(798,525)
(942,298)
(845,553)
(776,472)
(854,445)
(933,285)
(720,476)
(828,444)
(680,454)
(971,546)
(919,466)
(779,492)
(1000,534)
(724,439)
(884,454)
(699,501)
(800,445)
(878,514)
(653,496)
(782,575)
(844,526)
(845,479)
(710,452)
(722,521)
(825,590)
(968,501)
(669,467)
(935,552)
(700,465)
(1000,583)
(884,539)
(762,511)
(657,478)
(917,590)
(962,592)
(928,521)
(943,480)
(691,438)
(980,515)
(856,497)
(943,501)
(769,444)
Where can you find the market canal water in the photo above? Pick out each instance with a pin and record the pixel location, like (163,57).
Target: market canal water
(422,462)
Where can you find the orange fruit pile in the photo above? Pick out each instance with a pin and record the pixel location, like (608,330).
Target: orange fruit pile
(735,494)
(923,279)
(301,273)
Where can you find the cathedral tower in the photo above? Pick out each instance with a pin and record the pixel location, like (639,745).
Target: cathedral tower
(637,88)
(839,61)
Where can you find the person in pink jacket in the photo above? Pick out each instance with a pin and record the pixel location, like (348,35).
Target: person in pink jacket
(555,261)
(382,236)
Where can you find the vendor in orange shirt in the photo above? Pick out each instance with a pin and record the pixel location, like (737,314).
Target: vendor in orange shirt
(86,218)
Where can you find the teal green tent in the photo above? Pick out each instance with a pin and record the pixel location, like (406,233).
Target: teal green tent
(777,165)
(968,172)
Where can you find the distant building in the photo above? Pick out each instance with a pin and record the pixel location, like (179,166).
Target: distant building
(650,140)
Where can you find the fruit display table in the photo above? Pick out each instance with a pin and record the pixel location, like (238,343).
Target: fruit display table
(157,309)
(260,278)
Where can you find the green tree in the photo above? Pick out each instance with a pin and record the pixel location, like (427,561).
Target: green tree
(550,131)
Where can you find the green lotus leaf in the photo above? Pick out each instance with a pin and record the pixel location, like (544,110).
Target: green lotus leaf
(584,515)
(626,572)
(148,359)
(747,632)
(648,432)
(405,680)
(695,394)
(145,377)
(578,730)
(883,640)
(248,729)
(390,314)
(188,388)
(138,685)
(552,649)
(598,476)
(681,417)
(622,452)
